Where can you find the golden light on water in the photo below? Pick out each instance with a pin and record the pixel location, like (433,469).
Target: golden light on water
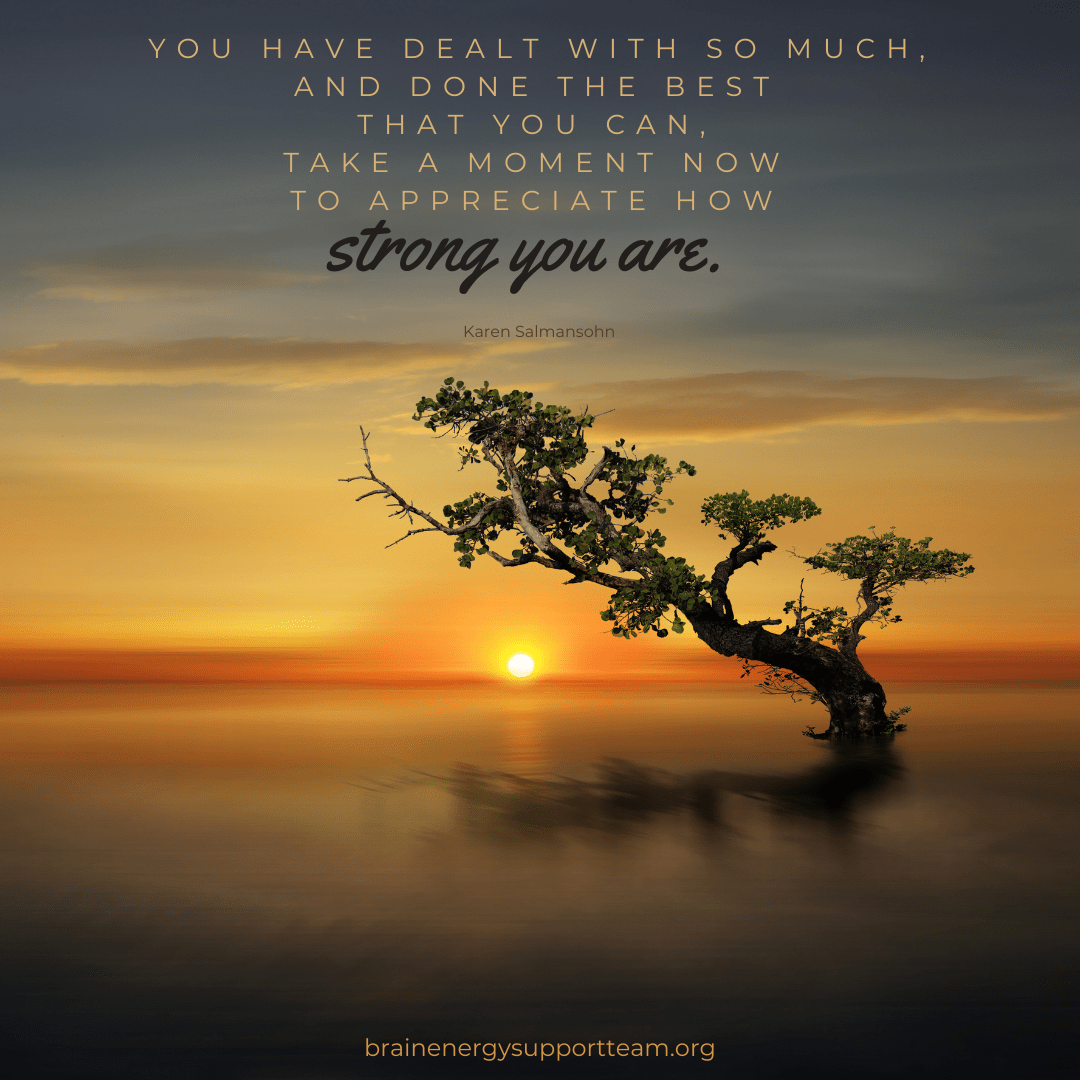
(520,665)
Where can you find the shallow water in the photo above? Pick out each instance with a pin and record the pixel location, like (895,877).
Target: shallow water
(267,882)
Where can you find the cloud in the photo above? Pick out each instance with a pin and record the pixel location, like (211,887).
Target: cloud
(165,266)
(87,280)
(712,408)
(240,361)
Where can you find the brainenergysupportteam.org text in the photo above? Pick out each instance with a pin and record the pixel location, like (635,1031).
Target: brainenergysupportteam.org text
(495,1051)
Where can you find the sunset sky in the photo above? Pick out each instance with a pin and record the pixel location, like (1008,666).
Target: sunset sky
(184,381)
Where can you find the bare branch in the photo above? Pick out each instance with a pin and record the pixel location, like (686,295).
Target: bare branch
(611,581)
(411,532)
(406,508)
(521,513)
(367,456)
(522,560)
(753,554)
(597,468)
(477,517)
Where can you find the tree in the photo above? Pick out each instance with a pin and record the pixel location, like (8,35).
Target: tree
(586,529)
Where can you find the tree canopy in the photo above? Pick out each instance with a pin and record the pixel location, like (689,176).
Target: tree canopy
(598,529)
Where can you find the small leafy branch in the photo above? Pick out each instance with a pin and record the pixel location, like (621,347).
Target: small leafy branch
(881,565)
(774,680)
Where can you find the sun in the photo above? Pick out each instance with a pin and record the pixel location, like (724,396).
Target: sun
(520,665)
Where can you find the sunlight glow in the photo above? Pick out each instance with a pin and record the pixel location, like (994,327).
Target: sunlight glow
(520,665)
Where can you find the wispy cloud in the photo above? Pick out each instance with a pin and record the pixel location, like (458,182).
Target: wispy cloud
(166,267)
(87,280)
(242,361)
(711,408)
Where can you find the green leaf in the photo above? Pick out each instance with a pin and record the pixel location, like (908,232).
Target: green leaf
(748,520)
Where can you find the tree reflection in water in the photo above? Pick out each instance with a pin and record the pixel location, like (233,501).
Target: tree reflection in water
(625,794)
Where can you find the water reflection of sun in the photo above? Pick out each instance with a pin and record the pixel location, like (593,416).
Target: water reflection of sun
(520,665)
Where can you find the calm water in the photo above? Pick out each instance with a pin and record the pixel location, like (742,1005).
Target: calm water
(263,883)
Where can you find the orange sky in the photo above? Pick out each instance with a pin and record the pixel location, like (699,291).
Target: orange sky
(199,532)
(184,379)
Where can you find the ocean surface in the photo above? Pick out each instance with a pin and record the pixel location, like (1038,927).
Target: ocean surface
(269,882)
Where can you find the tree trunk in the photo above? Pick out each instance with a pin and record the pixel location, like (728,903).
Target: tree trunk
(855,700)
(856,709)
